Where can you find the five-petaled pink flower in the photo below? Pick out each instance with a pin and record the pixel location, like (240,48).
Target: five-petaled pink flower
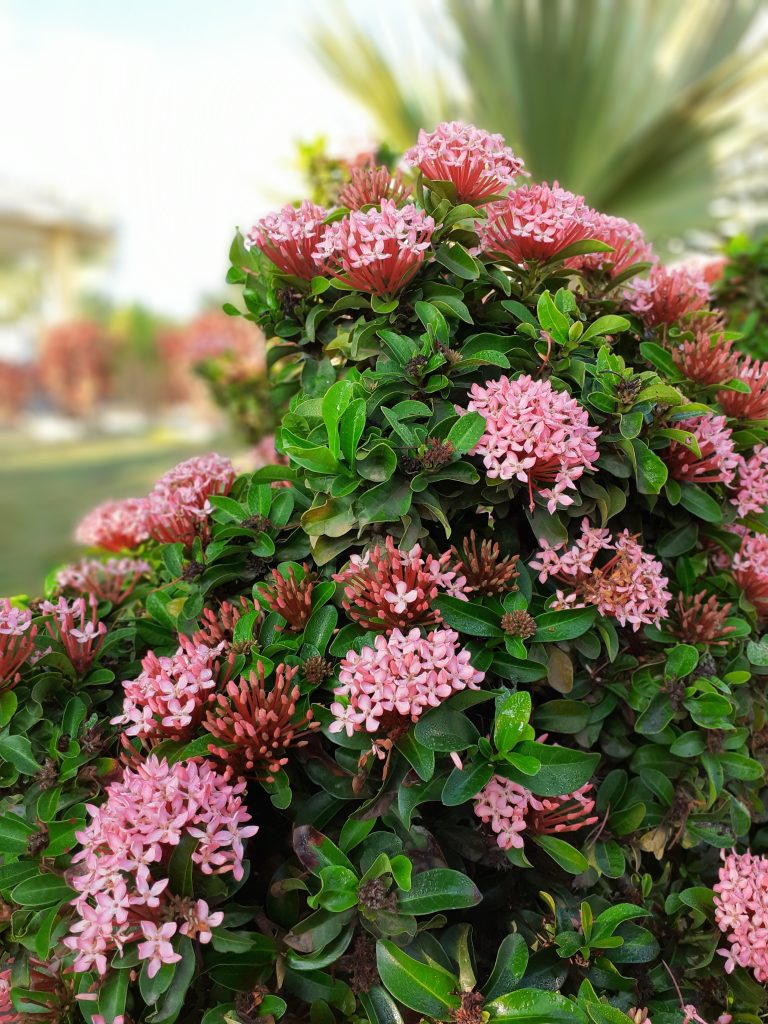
(157,948)
(477,163)
(534,434)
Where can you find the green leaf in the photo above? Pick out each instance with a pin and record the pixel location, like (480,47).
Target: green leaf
(335,402)
(510,966)
(468,617)
(439,889)
(513,712)
(172,1001)
(534,1006)
(385,503)
(651,471)
(421,758)
(606,325)
(466,432)
(112,994)
(351,429)
(41,891)
(445,730)
(464,783)
(700,504)
(17,750)
(562,770)
(316,851)
(567,856)
(555,626)
(426,988)
(456,259)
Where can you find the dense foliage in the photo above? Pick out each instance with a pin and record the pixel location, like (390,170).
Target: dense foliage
(460,713)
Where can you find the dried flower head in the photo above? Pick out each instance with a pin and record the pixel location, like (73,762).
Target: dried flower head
(291,596)
(534,223)
(511,809)
(289,238)
(115,525)
(707,358)
(436,454)
(699,619)
(17,641)
(377,251)
(256,724)
(518,623)
(485,571)
(477,163)
(316,670)
(717,462)
(369,186)
(388,587)
(668,294)
(113,580)
(534,434)
(752,405)
(396,679)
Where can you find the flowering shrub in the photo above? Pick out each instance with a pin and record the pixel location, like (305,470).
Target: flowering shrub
(455,709)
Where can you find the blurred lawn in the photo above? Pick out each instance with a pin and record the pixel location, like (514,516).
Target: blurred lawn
(45,489)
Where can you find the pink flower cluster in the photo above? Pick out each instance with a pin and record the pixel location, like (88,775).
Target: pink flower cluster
(178,506)
(113,580)
(17,641)
(630,587)
(121,880)
(169,699)
(289,237)
(741,912)
(378,250)
(388,588)
(534,434)
(511,810)
(751,405)
(668,294)
(534,223)
(79,632)
(476,162)
(115,525)
(625,238)
(752,495)
(750,570)
(396,679)
(717,461)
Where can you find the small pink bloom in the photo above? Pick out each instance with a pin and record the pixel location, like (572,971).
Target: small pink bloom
(157,946)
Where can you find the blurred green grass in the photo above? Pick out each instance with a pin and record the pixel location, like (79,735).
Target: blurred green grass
(45,489)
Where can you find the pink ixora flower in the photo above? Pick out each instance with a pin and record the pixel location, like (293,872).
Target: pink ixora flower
(629,586)
(79,632)
(753,404)
(625,238)
(534,223)
(17,641)
(377,251)
(393,682)
(707,358)
(115,525)
(388,587)
(750,570)
(717,462)
(113,580)
(178,506)
(476,162)
(668,294)
(512,810)
(752,494)
(169,699)
(741,911)
(369,185)
(120,872)
(534,434)
(289,237)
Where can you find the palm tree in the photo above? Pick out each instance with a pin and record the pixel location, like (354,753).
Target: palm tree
(652,109)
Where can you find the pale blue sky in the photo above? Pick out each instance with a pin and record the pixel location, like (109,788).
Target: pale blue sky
(177,119)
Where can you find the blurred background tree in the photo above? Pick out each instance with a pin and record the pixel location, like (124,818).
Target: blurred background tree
(652,109)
